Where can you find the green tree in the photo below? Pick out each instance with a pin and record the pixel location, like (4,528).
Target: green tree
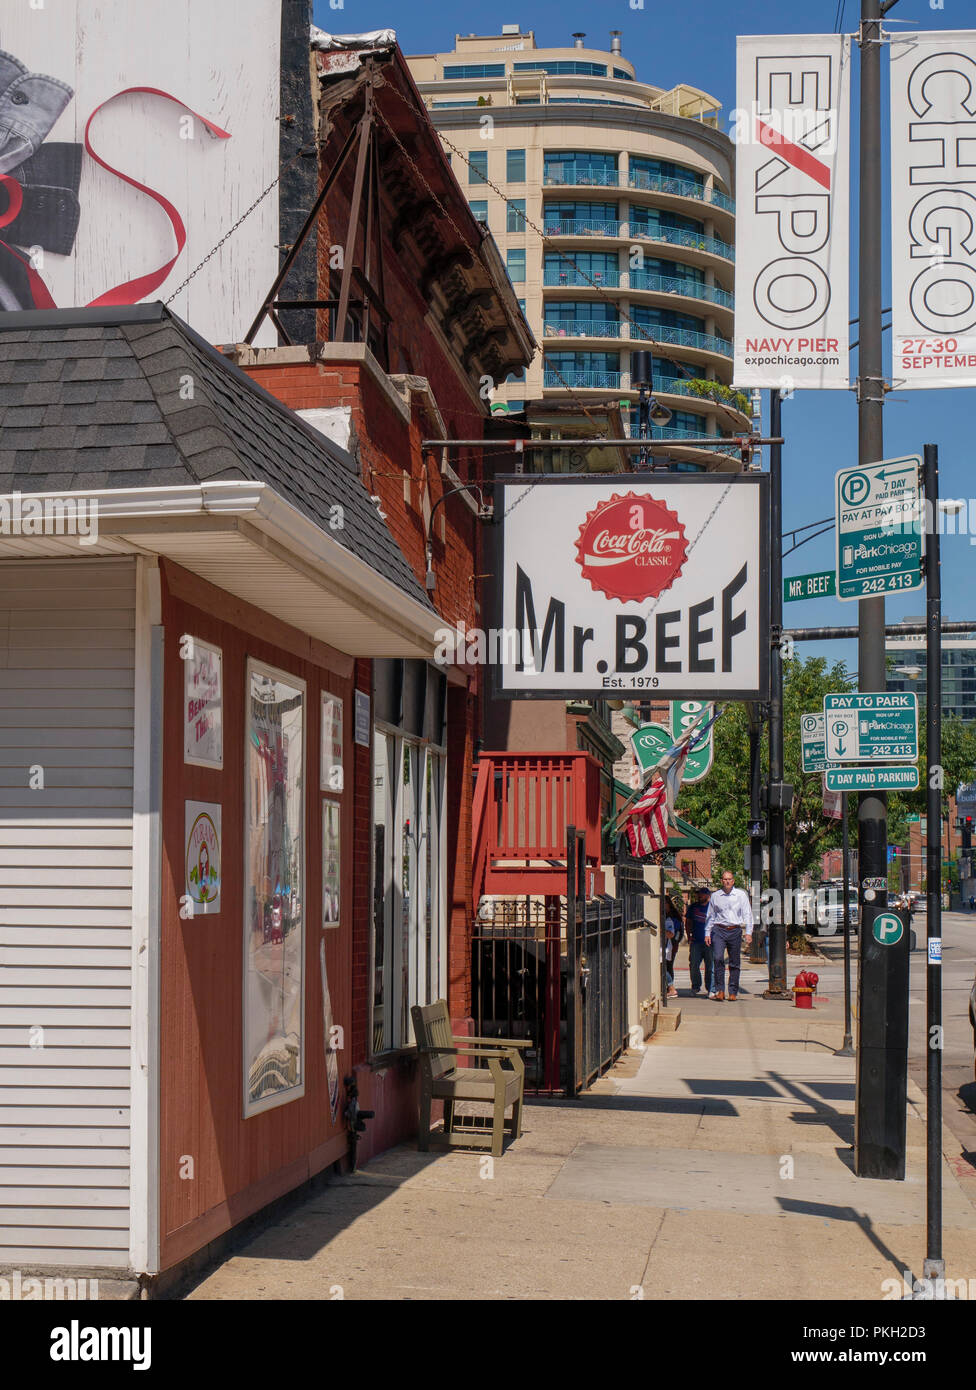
(719,804)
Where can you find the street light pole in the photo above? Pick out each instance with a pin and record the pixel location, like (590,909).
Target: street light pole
(882,1070)
(934,1265)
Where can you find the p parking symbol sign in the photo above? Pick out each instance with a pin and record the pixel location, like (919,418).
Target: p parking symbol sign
(888,928)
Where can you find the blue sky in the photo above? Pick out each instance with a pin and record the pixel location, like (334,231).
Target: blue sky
(696,44)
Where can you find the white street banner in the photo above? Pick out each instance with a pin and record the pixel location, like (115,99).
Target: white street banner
(632,584)
(792,131)
(933,209)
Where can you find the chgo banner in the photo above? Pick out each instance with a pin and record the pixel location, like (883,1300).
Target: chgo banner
(933,209)
(792,130)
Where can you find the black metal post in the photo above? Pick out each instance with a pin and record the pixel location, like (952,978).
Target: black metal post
(882,1054)
(757,952)
(934,1266)
(846,1048)
(778,988)
(643,409)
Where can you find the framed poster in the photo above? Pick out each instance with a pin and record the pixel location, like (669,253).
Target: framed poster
(203,728)
(331,864)
(202,856)
(274,888)
(330,775)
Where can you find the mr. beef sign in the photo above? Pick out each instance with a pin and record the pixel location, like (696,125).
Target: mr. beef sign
(635,584)
(792,201)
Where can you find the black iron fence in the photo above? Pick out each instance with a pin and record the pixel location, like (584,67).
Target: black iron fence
(553,970)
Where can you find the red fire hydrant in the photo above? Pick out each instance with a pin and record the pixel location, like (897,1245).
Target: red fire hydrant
(805,988)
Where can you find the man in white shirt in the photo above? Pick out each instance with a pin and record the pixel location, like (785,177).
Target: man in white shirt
(729,910)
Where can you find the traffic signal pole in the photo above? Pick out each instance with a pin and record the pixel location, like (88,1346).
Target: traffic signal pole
(882,1054)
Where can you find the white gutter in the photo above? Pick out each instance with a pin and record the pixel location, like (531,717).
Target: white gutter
(268,512)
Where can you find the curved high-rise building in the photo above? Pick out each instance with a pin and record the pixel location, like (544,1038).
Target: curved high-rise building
(611,202)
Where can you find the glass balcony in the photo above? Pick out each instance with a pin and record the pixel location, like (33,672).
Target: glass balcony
(575,175)
(582,328)
(678,236)
(680,284)
(682,337)
(585,280)
(568,377)
(681,188)
(590,228)
(678,386)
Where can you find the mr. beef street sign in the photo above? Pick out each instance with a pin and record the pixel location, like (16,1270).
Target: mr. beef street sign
(632,584)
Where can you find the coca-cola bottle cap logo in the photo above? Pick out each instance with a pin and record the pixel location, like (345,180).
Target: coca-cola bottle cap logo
(631,547)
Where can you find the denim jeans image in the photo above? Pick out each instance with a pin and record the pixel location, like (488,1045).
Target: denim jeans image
(699,954)
(726,938)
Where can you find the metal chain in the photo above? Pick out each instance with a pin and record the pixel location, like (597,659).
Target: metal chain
(244,215)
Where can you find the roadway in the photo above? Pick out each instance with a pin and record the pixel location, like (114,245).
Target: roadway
(958,969)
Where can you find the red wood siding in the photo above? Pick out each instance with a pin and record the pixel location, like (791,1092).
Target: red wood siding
(238,1164)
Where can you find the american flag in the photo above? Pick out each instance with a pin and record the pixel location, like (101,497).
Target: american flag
(647,825)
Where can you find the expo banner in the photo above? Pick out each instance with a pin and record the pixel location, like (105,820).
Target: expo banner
(638,584)
(792,132)
(132,138)
(933,209)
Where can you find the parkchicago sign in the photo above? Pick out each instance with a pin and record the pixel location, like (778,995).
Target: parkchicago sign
(637,583)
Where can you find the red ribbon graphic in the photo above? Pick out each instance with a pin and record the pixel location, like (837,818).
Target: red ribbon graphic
(130,291)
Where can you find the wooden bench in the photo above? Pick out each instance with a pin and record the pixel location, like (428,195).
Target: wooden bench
(500,1081)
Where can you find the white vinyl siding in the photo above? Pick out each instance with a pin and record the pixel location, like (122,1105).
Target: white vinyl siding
(66,707)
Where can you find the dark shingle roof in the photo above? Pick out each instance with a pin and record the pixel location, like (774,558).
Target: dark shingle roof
(132,397)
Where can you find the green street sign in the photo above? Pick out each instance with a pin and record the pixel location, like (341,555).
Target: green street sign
(887,929)
(879,778)
(869,727)
(879,541)
(684,713)
(813,743)
(822,585)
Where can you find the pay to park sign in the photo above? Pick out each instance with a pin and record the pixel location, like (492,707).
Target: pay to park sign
(864,727)
(653,584)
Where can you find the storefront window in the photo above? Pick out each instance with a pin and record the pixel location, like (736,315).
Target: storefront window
(274,868)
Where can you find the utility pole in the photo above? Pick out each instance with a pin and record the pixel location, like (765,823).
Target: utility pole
(775,806)
(882,1055)
(934,1265)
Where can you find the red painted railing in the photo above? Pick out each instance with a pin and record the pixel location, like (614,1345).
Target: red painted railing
(523,805)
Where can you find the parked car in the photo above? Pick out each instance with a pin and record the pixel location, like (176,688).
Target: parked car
(972,1019)
(830,914)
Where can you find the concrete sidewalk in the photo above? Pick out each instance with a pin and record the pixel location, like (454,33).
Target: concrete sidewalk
(717,1163)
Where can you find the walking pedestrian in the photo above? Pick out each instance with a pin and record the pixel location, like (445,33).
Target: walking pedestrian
(729,911)
(673,931)
(699,951)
